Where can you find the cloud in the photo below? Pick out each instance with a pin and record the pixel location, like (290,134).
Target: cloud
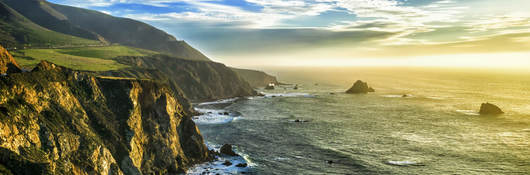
(334,28)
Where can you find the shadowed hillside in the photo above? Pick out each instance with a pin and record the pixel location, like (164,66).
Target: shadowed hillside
(198,80)
(256,79)
(41,13)
(18,31)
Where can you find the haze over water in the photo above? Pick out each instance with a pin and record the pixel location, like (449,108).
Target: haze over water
(435,130)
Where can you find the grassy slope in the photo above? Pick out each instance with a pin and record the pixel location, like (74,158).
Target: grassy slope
(18,31)
(129,32)
(40,12)
(86,58)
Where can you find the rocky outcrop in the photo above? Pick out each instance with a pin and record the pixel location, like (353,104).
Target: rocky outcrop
(360,87)
(490,109)
(256,79)
(227,150)
(198,80)
(7,63)
(57,121)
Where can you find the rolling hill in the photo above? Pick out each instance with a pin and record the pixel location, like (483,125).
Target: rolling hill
(95,25)
(18,31)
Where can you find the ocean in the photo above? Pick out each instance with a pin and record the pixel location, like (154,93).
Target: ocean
(435,129)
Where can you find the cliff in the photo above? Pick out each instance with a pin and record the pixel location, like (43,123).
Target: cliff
(57,121)
(198,80)
(256,79)
(7,63)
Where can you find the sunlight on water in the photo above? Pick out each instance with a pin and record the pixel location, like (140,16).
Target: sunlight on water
(434,129)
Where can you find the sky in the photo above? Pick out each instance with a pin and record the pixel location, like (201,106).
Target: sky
(254,33)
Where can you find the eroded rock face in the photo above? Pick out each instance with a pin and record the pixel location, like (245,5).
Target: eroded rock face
(7,63)
(58,121)
(360,87)
(490,109)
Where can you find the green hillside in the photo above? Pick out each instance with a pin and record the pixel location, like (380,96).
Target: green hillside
(41,13)
(129,32)
(18,31)
(83,58)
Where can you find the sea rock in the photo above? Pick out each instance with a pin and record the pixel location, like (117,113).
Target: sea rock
(227,150)
(242,165)
(360,87)
(7,63)
(227,163)
(490,109)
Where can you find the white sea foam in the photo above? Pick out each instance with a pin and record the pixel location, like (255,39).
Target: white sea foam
(212,116)
(288,95)
(223,101)
(401,163)
(217,167)
(436,97)
(468,112)
(398,96)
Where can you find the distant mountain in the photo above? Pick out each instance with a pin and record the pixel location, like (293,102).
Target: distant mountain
(95,25)
(18,31)
(256,78)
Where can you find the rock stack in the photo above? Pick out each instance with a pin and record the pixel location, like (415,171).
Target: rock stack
(360,87)
(490,109)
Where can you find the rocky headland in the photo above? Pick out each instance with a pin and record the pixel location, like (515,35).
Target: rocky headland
(54,120)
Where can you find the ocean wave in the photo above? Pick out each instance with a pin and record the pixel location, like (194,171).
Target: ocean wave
(468,112)
(403,163)
(269,95)
(398,96)
(212,116)
(223,101)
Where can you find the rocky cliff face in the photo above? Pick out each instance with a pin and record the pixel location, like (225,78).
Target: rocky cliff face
(7,63)
(57,121)
(257,79)
(198,80)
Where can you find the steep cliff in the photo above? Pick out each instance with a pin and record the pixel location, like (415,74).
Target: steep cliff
(57,121)
(256,79)
(198,80)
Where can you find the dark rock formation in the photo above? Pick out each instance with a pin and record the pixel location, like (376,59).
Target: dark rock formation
(227,163)
(257,79)
(227,150)
(360,87)
(270,86)
(7,63)
(242,165)
(490,109)
(60,121)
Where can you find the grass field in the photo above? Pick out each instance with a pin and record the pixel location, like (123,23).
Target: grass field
(85,58)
